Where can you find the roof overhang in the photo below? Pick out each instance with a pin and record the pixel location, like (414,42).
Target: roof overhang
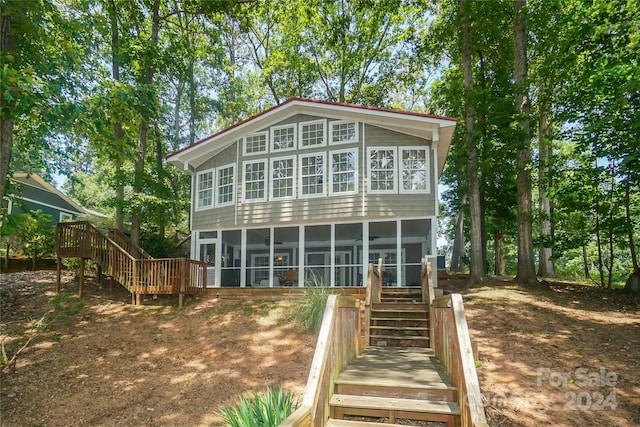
(437,129)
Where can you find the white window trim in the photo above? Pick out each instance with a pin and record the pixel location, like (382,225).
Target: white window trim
(295,138)
(255,153)
(233,184)
(395,170)
(64,216)
(313,122)
(244,181)
(427,189)
(341,122)
(293,178)
(213,186)
(330,172)
(301,195)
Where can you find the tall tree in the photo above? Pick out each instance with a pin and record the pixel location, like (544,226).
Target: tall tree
(477,271)
(526,263)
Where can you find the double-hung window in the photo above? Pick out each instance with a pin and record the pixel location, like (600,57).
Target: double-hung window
(341,131)
(255,182)
(344,171)
(282,177)
(382,170)
(312,174)
(204,185)
(283,138)
(225,185)
(255,143)
(312,134)
(414,170)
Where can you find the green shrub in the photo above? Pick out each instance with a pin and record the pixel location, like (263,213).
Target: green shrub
(309,309)
(267,410)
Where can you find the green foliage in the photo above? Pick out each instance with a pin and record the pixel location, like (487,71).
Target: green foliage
(267,410)
(309,309)
(158,246)
(36,234)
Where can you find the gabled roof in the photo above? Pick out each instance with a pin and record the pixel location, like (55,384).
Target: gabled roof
(36,181)
(438,129)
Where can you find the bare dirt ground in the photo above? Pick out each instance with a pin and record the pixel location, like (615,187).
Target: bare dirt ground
(560,355)
(108,363)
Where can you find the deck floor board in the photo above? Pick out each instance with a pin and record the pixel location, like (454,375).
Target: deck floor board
(397,367)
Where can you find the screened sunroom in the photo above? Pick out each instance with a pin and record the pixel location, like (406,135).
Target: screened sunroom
(329,254)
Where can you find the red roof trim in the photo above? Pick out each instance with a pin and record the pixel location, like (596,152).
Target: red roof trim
(312,101)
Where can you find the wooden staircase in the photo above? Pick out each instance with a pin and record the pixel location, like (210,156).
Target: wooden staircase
(397,377)
(126,263)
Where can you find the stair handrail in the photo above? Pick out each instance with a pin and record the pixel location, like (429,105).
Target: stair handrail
(127,244)
(338,344)
(426,284)
(452,345)
(373,294)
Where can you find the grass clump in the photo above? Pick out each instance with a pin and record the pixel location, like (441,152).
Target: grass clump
(267,410)
(309,309)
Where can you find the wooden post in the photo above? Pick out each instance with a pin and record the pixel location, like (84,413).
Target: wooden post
(110,283)
(138,299)
(81,277)
(99,274)
(58,274)
(180,300)
(133,298)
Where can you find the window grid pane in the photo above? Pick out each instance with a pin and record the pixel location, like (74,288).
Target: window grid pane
(312,134)
(282,176)
(205,189)
(254,181)
(414,170)
(343,168)
(382,166)
(312,175)
(344,132)
(283,138)
(225,185)
(256,144)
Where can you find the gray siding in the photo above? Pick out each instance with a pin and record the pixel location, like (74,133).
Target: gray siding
(328,208)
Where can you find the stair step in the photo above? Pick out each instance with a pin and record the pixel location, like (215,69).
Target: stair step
(395,337)
(332,422)
(435,392)
(401,328)
(399,319)
(393,408)
(400,305)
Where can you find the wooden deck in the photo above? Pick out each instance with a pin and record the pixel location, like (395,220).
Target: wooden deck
(398,367)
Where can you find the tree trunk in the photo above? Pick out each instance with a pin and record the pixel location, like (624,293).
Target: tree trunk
(117,125)
(143,130)
(546,267)
(457,265)
(630,228)
(192,104)
(477,267)
(498,248)
(8,45)
(526,264)
(585,261)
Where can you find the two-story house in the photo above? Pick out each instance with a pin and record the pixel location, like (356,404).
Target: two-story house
(316,189)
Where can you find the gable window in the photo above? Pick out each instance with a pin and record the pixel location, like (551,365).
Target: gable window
(312,175)
(382,170)
(344,177)
(255,181)
(343,131)
(312,133)
(255,143)
(204,184)
(64,216)
(225,185)
(283,138)
(414,170)
(282,177)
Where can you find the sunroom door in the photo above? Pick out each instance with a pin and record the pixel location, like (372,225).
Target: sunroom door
(208,255)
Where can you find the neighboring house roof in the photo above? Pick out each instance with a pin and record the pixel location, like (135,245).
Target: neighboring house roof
(39,186)
(438,129)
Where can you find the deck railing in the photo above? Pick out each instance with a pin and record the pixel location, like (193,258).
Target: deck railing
(338,344)
(139,276)
(125,243)
(373,295)
(451,342)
